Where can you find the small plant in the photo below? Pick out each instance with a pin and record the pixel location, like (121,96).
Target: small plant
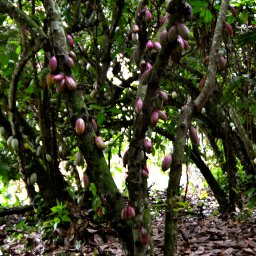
(96,203)
(59,216)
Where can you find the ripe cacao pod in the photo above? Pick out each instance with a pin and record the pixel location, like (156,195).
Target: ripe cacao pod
(143,236)
(154,118)
(183,31)
(144,79)
(193,135)
(163,96)
(150,45)
(139,105)
(53,63)
(71,62)
(70,40)
(70,83)
(162,115)
(164,38)
(148,146)
(61,86)
(162,20)
(80,126)
(172,34)
(124,213)
(135,28)
(130,211)
(100,143)
(166,163)
(58,77)
(148,15)
(94,124)
(228,28)
(157,46)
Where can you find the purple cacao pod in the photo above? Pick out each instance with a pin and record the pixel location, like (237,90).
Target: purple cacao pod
(70,40)
(145,76)
(148,146)
(135,29)
(94,125)
(172,34)
(79,126)
(166,163)
(139,105)
(53,63)
(157,46)
(150,45)
(228,28)
(70,83)
(154,118)
(130,211)
(61,86)
(162,115)
(143,236)
(183,31)
(162,20)
(193,135)
(124,213)
(71,62)
(58,77)
(100,143)
(164,38)
(148,15)
(163,96)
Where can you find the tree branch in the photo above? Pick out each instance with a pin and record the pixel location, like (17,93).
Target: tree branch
(18,15)
(213,58)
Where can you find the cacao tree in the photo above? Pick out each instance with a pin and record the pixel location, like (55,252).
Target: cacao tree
(77,74)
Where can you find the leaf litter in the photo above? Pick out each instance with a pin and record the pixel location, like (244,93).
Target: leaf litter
(199,234)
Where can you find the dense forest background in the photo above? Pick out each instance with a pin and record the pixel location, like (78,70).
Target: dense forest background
(168,84)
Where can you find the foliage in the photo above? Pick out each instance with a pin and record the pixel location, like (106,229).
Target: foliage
(34,109)
(59,216)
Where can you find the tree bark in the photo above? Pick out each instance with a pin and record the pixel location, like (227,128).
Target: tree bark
(211,181)
(170,246)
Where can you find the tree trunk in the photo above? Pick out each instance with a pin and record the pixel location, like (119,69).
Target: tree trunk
(170,246)
(211,181)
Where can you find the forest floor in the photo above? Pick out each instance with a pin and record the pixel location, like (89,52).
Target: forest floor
(200,233)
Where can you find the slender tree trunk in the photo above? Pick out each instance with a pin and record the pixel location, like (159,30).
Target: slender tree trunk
(170,246)
(211,181)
